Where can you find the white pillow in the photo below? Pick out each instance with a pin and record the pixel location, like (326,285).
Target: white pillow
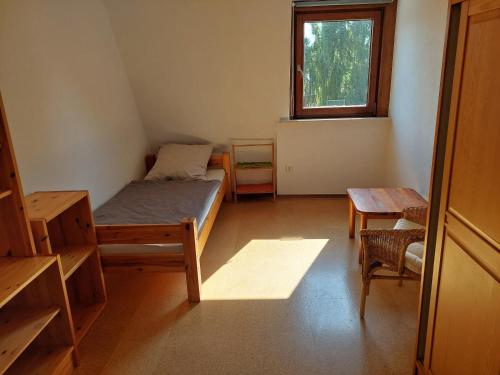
(181,162)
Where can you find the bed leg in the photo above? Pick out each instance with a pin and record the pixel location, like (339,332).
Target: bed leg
(191,260)
(226,164)
(229,194)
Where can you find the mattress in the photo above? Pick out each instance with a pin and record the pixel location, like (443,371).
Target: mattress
(159,202)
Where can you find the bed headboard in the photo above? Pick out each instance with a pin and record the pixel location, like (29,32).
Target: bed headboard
(217,160)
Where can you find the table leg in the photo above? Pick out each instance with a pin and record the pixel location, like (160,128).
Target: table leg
(363,225)
(352,219)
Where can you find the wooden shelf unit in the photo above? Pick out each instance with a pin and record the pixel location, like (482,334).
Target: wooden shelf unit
(47,360)
(15,236)
(19,327)
(254,166)
(36,319)
(62,223)
(18,272)
(5,194)
(84,317)
(34,309)
(34,313)
(72,257)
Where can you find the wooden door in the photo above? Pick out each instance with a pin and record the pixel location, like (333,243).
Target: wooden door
(463,326)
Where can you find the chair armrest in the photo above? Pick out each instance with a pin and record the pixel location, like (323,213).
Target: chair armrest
(416,214)
(388,246)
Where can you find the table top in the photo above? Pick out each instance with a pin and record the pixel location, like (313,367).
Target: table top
(385,200)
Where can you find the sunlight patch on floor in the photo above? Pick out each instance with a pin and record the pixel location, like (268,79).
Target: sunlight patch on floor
(263,269)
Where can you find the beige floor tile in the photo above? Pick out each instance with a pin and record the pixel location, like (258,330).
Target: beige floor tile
(281,292)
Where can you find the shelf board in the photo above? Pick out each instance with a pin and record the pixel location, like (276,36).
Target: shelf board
(84,317)
(254,166)
(267,144)
(255,189)
(17,272)
(5,193)
(46,360)
(49,204)
(72,257)
(19,326)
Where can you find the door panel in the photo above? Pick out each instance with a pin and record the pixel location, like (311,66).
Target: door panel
(475,182)
(468,314)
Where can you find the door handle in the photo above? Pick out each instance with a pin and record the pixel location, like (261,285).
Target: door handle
(299,69)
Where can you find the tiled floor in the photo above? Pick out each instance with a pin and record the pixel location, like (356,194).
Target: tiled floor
(280,296)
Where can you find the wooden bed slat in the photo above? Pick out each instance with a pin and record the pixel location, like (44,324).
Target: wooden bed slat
(138,234)
(167,262)
(210,219)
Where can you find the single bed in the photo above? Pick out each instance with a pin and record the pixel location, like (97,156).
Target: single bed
(174,216)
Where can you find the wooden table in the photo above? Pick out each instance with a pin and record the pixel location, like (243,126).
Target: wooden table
(381,203)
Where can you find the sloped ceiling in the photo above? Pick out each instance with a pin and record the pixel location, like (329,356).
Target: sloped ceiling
(206,70)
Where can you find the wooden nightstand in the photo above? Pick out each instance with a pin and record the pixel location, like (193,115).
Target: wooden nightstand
(254,166)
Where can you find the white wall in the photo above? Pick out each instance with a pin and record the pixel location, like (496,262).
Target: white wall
(206,70)
(328,156)
(216,70)
(72,115)
(420,35)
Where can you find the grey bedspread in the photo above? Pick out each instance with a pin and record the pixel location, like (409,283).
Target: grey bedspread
(159,202)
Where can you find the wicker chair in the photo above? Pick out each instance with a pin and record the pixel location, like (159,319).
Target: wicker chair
(385,249)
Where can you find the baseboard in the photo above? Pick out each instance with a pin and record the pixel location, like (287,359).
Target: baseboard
(284,196)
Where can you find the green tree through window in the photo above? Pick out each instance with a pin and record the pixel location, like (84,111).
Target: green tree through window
(336,63)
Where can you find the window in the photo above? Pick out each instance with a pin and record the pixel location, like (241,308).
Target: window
(338,62)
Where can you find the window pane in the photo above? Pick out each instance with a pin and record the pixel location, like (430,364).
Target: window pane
(336,63)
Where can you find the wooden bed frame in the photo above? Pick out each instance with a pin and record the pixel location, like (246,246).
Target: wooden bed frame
(186,232)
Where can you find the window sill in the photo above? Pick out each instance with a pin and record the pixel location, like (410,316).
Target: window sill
(286,120)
